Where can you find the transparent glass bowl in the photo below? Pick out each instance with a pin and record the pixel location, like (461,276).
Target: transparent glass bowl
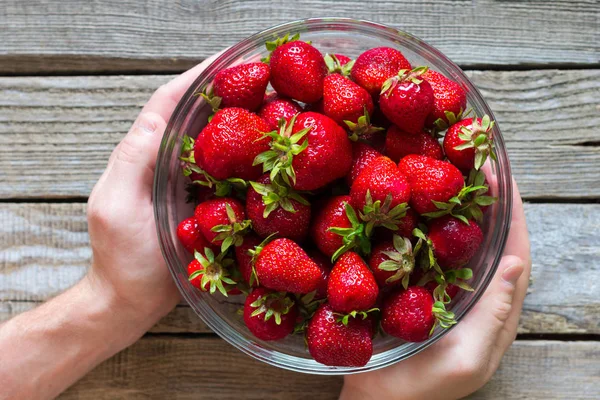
(330,35)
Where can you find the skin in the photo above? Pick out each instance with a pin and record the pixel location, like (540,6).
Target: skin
(46,350)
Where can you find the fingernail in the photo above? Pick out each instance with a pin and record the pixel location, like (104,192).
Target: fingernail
(512,274)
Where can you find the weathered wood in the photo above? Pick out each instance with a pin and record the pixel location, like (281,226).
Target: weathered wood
(44,249)
(51,127)
(176,368)
(102,35)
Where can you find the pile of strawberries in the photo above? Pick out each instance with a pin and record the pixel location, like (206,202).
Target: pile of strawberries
(331,202)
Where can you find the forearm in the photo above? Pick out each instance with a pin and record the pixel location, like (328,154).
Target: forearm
(44,351)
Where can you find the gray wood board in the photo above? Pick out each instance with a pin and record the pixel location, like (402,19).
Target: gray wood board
(102,35)
(56,133)
(44,249)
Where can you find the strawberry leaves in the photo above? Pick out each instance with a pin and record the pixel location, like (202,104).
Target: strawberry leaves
(272,305)
(354,237)
(404,75)
(231,234)
(273,44)
(213,271)
(335,66)
(276,195)
(362,127)
(401,261)
(376,213)
(480,138)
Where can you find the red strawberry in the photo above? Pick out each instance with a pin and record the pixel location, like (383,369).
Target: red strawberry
(406,100)
(325,267)
(411,314)
(375,66)
(381,192)
(337,215)
(229,143)
(282,265)
(338,64)
(190,236)
(297,70)
(245,258)
(430,180)
(275,107)
(308,152)
(399,144)
(450,100)
(270,315)
(332,343)
(468,143)
(362,155)
(222,221)
(344,100)
(351,285)
(240,86)
(454,242)
(343,60)
(392,262)
(274,208)
(208,273)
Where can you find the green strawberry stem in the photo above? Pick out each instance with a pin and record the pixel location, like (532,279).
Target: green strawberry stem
(362,127)
(480,138)
(213,271)
(276,195)
(444,318)
(354,237)
(231,234)
(345,318)
(441,125)
(284,146)
(404,75)
(334,65)
(272,45)
(401,261)
(424,252)
(377,214)
(273,305)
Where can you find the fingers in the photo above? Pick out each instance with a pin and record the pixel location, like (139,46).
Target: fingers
(517,242)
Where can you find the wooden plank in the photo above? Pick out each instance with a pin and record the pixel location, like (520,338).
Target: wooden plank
(177,368)
(58,125)
(44,249)
(103,35)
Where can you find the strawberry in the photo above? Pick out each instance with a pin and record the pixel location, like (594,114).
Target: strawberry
(229,143)
(275,107)
(332,343)
(454,242)
(449,100)
(399,144)
(347,104)
(338,64)
(190,236)
(308,152)
(375,66)
(240,86)
(392,262)
(270,315)
(297,69)
(282,265)
(351,285)
(430,181)
(412,314)
(406,100)
(381,192)
(469,142)
(245,258)
(208,273)
(325,267)
(274,208)
(222,221)
(362,155)
(336,228)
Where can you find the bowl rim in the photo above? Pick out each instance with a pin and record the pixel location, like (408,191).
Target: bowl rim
(187,100)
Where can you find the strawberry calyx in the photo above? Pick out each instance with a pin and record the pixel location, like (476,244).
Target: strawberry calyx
(231,234)
(441,124)
(254,253)
(211,99)
(276,195)
(401,261)
(272,305)
(214,273)
(443,317)
(335,66)
(404,75)
(480,138)
(376,213)
(423,252)
(345,318)
(284,146)
(362,127)
(354,237)
(468,202)
(307,306)
(273,44)
(457,277)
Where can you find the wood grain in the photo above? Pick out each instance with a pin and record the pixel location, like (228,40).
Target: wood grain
(56,133)
(44,249)
(106,35)
(185,368)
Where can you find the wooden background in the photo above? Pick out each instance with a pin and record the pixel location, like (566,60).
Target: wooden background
(74,74)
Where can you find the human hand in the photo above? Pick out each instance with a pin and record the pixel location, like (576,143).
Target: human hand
(467,357)
(128,268)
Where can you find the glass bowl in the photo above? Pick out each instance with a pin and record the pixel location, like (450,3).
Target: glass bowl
(330,35)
